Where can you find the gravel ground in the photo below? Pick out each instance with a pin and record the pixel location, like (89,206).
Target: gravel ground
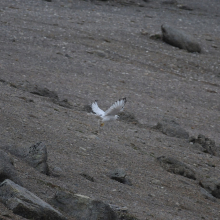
(88,50)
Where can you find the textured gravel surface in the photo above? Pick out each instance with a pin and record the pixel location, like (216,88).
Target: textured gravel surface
(88,50)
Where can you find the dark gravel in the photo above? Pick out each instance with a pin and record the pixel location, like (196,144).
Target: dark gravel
(73,52)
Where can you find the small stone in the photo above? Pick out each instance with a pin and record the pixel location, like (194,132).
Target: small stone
(100,53)
(119,175)
(87,176)
(144,32)
(169,2)
(156,36)
(214,46)
(209,39)
(157,182)
(184,7)
(56,172)
(64,103)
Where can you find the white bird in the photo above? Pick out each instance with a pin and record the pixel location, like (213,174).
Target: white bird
(111,113)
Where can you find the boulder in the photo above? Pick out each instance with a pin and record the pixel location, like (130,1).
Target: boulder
(37,157)
(82,207)
(24,203)
(174,166)
(180,39)
(205,144)
(7,169)
(207,195)
(120,176)
(212,185)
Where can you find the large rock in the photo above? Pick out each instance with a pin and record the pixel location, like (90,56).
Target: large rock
(171,128)
(37,157)
(119,175)
(205,144)
(7,170)
(212,185)
(174,166)
(82,207)
(179,39)
(24,203)
(207,195)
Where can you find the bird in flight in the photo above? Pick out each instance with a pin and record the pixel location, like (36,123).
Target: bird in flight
(111,113)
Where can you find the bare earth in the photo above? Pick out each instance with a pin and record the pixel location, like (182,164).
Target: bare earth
(85,51)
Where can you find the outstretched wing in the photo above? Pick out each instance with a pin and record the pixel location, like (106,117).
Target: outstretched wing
(116,107)
(97,110)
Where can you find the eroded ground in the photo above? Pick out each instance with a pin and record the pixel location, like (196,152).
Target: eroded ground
(102,50)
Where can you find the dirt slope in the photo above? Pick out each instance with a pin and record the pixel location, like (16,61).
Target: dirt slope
(83,51)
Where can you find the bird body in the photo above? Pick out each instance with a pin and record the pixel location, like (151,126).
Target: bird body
(111,113)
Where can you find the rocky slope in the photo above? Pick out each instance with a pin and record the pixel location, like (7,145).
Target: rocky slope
(160,160)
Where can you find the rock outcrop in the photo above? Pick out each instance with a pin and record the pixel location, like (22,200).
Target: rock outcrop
(7,169)
(82,207)
(205,144)
(24,203)
(212,185)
